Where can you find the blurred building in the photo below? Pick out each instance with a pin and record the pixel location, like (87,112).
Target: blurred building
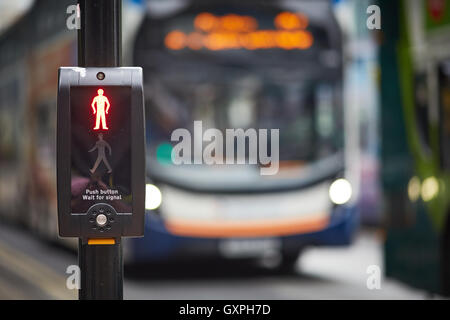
(361,96)
(11,10)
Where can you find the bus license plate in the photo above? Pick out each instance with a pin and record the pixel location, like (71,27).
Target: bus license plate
(247,248)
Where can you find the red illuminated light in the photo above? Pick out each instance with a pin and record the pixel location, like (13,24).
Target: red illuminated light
(98,106)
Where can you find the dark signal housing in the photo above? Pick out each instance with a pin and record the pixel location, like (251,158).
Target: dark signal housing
(101,153)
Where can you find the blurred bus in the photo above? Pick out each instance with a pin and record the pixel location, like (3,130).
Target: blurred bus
(252,64)
(31,51)
(415,62)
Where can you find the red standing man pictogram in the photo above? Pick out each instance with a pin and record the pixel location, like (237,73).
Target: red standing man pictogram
(100,101)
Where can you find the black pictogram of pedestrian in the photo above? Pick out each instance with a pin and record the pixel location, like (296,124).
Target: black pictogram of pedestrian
(101,145)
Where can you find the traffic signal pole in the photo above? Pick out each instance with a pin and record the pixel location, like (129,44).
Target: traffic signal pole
(99,45)
(100,35)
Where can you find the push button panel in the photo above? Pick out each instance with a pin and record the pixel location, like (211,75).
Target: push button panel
(102,218)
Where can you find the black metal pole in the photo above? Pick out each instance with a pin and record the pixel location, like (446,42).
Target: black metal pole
(100,35)
(99,45)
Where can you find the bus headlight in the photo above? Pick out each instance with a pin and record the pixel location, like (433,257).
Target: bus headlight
(430,189)
(340,191)
(153,197)
(414,189)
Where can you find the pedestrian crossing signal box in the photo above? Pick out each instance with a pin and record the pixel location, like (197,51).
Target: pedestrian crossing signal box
(101,152)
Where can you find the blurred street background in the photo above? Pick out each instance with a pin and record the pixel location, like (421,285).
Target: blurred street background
(360,93)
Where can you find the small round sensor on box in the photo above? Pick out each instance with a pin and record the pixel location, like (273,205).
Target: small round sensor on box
(100,76)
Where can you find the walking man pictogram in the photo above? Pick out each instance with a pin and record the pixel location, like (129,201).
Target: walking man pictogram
(100,145)
(101,101)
